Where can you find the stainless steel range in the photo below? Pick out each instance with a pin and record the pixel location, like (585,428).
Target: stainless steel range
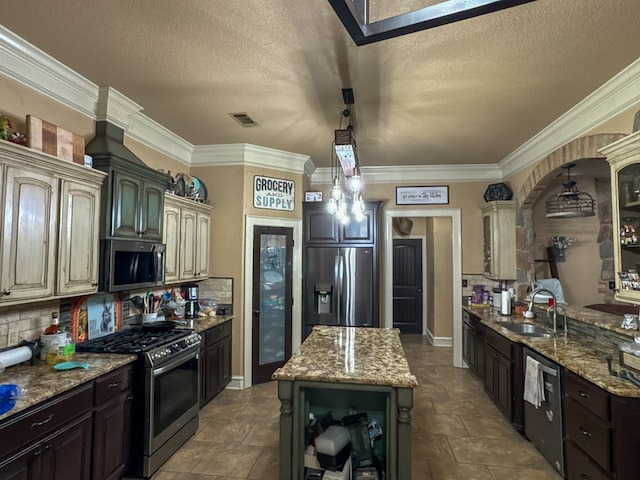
(166,390)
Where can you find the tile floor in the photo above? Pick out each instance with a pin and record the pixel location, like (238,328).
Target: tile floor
(457,432)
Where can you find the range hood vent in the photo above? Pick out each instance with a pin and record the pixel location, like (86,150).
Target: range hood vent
(109,143)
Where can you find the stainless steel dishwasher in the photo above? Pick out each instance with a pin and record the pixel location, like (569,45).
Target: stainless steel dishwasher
(543,426)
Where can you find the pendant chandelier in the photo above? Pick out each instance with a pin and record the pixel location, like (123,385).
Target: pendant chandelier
(570,202)
(345,199)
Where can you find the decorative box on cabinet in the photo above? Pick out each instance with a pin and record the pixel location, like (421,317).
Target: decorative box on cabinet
(624,160)
(187,239)
(61,200)
(215,361)
(499,239)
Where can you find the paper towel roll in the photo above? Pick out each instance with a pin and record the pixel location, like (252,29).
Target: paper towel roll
(15,356)
(506,303)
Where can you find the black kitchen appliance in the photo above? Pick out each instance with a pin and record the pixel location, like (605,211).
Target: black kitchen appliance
(339,269)
(191,308)
(166,387)
(131,265)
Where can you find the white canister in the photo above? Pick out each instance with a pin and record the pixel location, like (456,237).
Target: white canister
(497,299)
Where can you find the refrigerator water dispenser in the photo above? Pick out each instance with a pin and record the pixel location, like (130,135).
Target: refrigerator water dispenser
(324,295)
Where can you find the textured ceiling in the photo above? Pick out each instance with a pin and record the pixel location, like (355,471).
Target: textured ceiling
(466,93)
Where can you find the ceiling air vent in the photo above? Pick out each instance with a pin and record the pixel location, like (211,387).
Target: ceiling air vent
(244,119)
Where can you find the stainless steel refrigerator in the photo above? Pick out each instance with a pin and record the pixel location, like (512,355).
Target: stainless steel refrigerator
(339,287)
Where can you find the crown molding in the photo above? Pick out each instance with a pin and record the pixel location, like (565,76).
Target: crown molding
(30,66)
(246,154)
(33,68)
(613,97)
(150,133)
(115,108)
(418,174)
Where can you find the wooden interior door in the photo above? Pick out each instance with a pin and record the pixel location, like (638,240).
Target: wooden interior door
(272,300)
(407,285)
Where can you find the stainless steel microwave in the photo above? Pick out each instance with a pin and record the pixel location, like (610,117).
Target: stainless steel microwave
(131,265)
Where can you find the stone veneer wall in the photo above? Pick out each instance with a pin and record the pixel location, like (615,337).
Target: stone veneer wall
(579,149)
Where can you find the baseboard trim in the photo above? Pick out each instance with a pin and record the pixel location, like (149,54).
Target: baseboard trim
(236,383)
(439,341)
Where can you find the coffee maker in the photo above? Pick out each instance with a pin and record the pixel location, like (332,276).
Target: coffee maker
(191,307)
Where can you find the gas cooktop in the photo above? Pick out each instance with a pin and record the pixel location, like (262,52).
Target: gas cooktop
(132,340)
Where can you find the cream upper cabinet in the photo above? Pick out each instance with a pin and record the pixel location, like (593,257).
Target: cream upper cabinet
(29,234)
(203,234)
(187,238)
(171,239)
(78,238)
(50,214)
(624,159)
(499,237)
(188,244)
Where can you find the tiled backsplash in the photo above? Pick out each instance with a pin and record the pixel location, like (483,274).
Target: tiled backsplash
(25,322)
(219,288)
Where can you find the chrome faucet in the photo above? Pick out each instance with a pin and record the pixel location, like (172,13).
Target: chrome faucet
(555,308)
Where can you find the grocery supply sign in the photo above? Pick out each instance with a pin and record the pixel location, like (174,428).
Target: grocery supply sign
(273,193)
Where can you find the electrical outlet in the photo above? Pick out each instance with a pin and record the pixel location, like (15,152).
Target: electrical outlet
(612,284)
(13,339)
(464,283)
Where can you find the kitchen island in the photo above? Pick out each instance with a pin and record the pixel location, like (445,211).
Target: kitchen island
(341,369)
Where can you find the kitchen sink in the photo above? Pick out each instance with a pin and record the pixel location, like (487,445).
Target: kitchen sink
(527,329)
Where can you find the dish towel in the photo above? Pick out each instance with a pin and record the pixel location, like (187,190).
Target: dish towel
(533,383)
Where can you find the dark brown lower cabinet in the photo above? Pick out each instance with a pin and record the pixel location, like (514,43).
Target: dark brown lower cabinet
(30,441)
(79,435)
(473,343)
(503,379)
(215,361)
(112,424)
(601,438)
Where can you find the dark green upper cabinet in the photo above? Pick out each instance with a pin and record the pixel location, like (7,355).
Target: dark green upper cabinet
(133,195)
(137,208)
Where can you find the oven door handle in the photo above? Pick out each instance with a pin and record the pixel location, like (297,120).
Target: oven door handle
(172,365)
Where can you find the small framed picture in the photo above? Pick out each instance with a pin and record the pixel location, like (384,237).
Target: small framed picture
(426,195)
(312,196)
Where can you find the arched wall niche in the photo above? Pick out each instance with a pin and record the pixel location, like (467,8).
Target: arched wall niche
(543,173)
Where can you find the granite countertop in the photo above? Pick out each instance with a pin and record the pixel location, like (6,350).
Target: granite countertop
(42,382)
(359,355)
(576,352)
(206,322)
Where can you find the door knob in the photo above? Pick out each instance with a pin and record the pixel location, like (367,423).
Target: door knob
(256,312)
(419,290)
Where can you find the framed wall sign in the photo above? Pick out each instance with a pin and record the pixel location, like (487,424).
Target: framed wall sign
(273,193)
(434,195)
